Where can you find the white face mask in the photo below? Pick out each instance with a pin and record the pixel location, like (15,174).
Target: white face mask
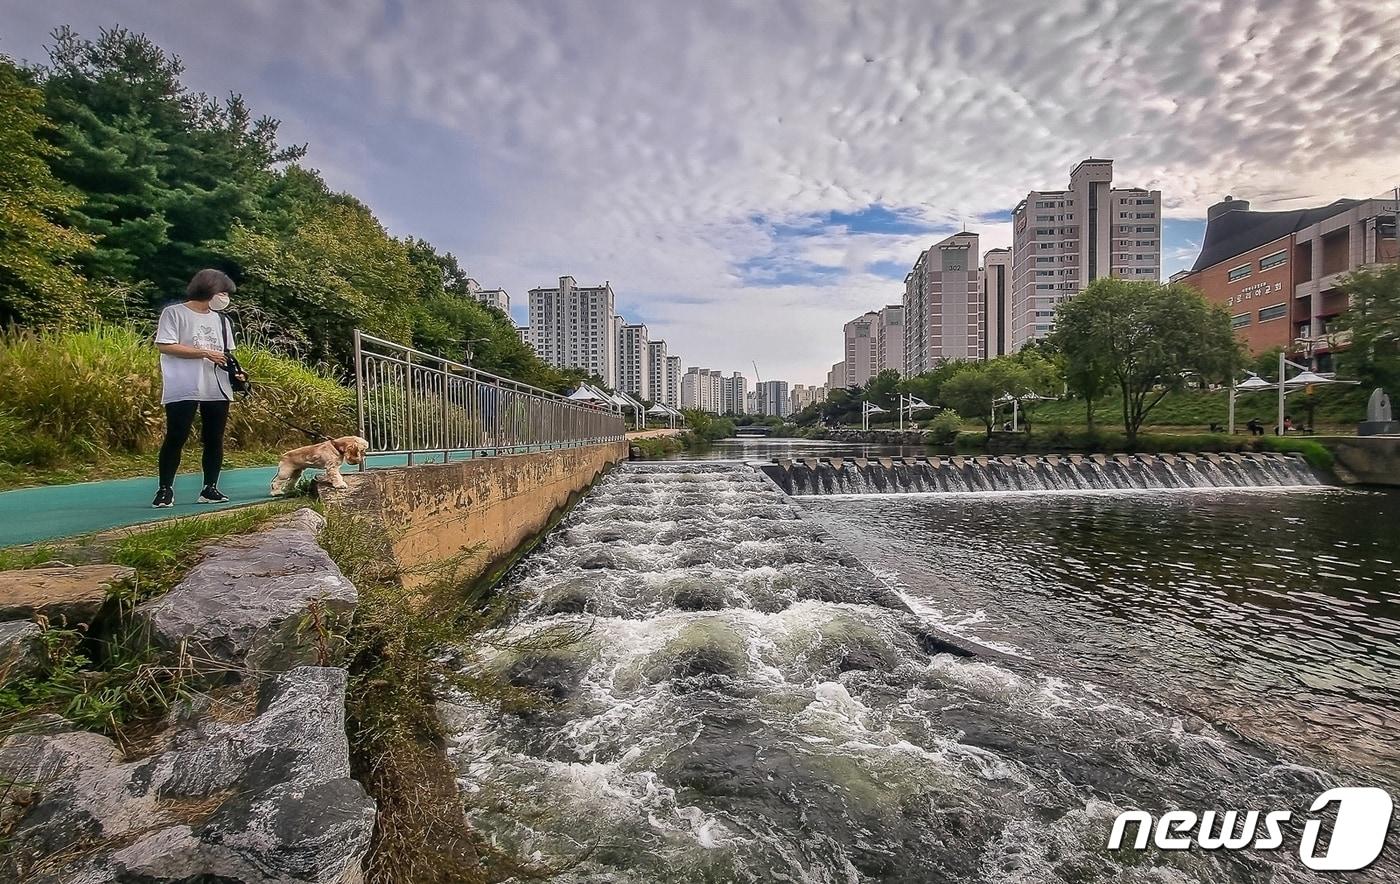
(219,302)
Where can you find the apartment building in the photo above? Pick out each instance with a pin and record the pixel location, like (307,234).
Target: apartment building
(803,395)
(703,389)
(873,342)
(656,371)
(772,398)
(995,282)
(942,305)
(497,298)
(524,332)
(1277,272)
(575,326)
(673,381)
(836,378)
(733,391)
(1062,240)
(633,353)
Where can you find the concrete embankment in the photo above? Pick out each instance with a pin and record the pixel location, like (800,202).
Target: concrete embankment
(487,507)
(1365,460)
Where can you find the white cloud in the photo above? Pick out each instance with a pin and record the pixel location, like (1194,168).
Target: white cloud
(637,141)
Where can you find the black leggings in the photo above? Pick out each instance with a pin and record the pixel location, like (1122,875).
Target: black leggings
(179,419)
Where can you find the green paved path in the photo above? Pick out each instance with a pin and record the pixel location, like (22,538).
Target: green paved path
(30,515)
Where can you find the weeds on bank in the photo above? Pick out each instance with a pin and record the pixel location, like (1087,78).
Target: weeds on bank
(108,678)
(399,645)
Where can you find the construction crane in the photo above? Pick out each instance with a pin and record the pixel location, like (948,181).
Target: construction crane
(756,378)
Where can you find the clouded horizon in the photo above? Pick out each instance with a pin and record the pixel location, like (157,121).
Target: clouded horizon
(750,175)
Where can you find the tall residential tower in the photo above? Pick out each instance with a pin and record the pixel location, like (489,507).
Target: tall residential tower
(943,305)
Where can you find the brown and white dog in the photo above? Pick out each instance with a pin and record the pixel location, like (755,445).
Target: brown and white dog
(326,456)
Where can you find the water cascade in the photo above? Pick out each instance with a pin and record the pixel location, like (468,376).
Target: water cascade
(1044,472)
(735,698)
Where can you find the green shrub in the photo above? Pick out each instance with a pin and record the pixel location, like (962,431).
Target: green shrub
(945,426)
(97,390)
(1315,453)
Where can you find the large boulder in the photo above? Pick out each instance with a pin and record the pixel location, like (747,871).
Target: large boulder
(65,595)
(19,649)
(268,799)
(264,601)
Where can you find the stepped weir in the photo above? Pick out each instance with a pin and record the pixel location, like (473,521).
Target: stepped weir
(1033,472)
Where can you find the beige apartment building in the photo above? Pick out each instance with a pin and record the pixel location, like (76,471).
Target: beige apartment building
(574,326)
(633,351)
(995,279)
(943,305)
(874,341)
(1062,240)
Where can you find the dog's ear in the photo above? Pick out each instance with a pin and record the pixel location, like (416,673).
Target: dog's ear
(342,443)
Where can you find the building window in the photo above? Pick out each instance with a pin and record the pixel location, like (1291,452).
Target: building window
(1240,272)
(1273,260)
(1240,321)
(1277,311)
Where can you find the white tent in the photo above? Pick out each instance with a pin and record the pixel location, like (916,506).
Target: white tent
(585,393)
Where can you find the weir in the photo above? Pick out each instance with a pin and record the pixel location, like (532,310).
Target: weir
(1050,472)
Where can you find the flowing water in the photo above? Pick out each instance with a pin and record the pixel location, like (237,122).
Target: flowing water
(765,688)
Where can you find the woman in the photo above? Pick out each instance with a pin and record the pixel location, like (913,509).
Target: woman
(193,338)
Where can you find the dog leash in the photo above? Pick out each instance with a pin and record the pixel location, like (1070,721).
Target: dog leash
(310,434)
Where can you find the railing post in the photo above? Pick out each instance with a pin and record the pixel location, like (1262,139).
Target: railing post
(359,394)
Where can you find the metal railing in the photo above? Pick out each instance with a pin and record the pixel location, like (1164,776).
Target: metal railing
(411,402)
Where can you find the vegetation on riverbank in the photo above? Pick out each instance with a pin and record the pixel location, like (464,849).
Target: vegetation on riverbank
(105,676)
(407,647)
(85,403)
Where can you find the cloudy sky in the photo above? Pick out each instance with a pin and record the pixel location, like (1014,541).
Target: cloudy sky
(749,174)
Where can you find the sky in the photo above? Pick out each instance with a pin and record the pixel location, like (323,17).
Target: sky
(751,175)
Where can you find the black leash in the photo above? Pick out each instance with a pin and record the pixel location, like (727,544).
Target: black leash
(316,435)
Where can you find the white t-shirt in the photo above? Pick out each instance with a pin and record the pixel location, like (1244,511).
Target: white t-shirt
(198,379)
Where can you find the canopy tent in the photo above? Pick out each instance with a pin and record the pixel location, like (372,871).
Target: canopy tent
(585,393)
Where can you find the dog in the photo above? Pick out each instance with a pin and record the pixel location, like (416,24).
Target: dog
(326,456)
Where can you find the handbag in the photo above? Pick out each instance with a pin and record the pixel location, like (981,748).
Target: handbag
(237,377)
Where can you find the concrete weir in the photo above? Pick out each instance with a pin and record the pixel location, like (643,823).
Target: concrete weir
(491,505)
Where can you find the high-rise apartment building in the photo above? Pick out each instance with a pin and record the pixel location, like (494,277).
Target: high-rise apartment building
(943,305)
(575,326)
(803,395)
(673,381)
(836,378)
(633,351)
(862,348)
(1062,240)
(491,297)
(772,398)
(995,279)
(889,339)
(703,389)
(733,391)
(656,371)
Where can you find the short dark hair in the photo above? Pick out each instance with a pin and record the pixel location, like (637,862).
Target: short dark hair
(207,283)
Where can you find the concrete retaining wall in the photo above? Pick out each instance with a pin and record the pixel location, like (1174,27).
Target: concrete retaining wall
(1366,460)
(493,504)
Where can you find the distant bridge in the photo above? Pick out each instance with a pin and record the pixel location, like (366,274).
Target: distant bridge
(755,430)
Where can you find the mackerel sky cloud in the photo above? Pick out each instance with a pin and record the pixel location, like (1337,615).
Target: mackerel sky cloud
(749,175)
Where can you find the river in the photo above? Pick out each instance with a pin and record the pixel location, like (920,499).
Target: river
(753,687)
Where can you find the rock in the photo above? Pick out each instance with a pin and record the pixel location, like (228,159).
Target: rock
(19,652)
(269,799)
(699,596)
(66,596)
(552,675)
(255,601)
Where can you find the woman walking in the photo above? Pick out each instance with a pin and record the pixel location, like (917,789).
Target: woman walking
(193,338)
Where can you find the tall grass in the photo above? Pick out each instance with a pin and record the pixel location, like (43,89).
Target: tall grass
(81,393)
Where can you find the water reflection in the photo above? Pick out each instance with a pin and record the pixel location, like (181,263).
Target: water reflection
(1275,614)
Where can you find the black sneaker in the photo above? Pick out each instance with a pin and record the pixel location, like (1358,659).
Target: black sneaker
(164,497)
(211,494)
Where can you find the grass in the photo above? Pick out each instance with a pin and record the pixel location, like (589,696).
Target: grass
(107,677)
(654,447)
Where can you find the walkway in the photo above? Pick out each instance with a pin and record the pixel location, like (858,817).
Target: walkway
(50,512)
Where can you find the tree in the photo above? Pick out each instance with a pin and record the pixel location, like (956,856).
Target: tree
(38,282)
(882,389)
(1149,339)
(1373,321)
(973,391)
